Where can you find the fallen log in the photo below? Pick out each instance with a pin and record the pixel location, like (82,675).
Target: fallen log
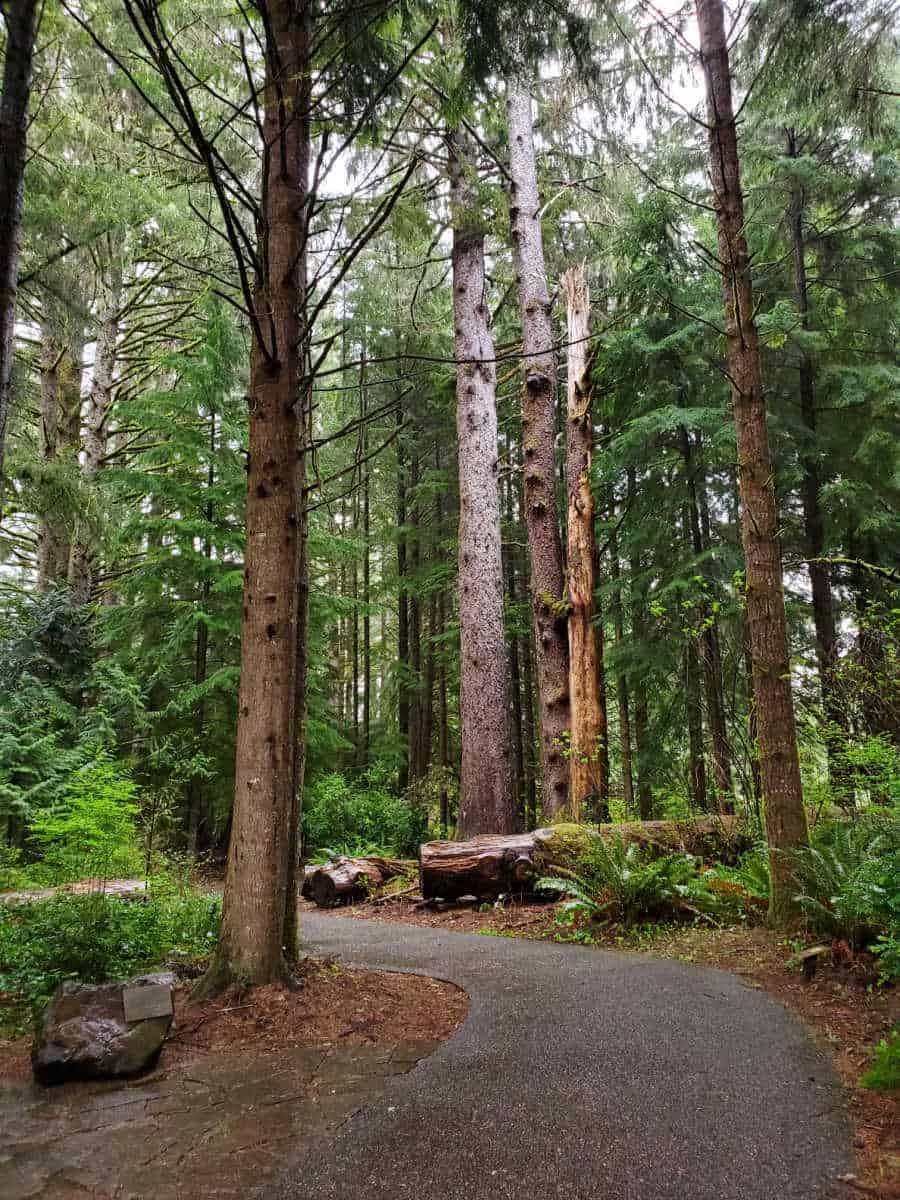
(495,865)
(345,880)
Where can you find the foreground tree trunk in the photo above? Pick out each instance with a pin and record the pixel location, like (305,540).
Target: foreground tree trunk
(20,19)
(785,815)
(538,438)
(588,732)
(487,802)
(256,882)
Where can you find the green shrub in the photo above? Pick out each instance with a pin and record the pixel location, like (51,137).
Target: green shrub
(620,882)
(887,947)
(750,873)
(342,813)
(93,937)
(92,830)
(884,1073)
(849,881)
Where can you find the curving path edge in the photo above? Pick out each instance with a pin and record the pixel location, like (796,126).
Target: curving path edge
(585,1075)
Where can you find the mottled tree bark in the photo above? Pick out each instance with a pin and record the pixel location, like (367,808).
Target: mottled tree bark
(257,879)
(785,815)
(20,20)
(538,438)
(586,781)
(487,803)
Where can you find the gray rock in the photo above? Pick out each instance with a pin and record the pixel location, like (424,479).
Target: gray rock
(84,1034)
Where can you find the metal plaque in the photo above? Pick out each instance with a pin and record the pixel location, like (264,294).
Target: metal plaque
(142,1003)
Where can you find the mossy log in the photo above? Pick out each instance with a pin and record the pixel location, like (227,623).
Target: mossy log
(495,865)
(346,880)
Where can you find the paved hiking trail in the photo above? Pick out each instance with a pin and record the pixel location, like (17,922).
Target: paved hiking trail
(583,1075)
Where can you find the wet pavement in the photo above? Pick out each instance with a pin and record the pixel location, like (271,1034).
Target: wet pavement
(222,1126)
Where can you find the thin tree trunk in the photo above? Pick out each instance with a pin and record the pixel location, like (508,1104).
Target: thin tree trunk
(785,815)
(367,584)
(196,815)
(402,608)
(710,654)
(588,734)
(486,794)
(813,519)
(256,898)
(621,678)
(602,813)
(291,937)
(538,432)
(51,539)
(641,723)
(415,629)
(694,710)
(20,19)
(82,567)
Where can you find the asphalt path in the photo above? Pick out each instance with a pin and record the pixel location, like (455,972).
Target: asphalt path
(584,1075)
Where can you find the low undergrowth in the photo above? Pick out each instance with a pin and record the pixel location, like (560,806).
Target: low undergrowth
(94,937)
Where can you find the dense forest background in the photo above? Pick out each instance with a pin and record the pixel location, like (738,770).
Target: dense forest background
(126,461)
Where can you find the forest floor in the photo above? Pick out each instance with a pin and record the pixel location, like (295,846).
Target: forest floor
(846,1015)
(245,1083)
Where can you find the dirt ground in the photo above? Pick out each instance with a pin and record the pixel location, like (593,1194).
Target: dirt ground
(334,1005)
(846,1014)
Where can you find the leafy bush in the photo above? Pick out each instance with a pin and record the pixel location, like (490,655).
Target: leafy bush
(94,937)
(342,813)
(751,873)
(620,882)
(849,881)
(93,829)
(884,1073)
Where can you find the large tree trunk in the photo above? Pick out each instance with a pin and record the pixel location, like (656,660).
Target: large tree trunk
(487,867)
(256,884)
(538,435)
(785,815)
(487,804)
(588,732)
(20,19)
(813,519)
